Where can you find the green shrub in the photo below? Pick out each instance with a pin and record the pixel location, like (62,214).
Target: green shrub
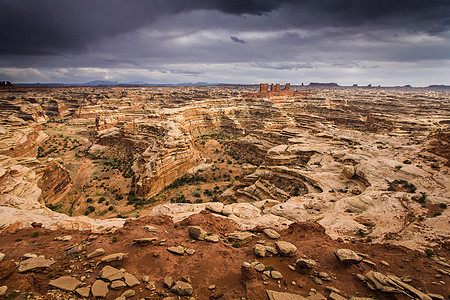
(35,234)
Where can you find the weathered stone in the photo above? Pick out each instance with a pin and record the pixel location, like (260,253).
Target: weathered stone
(317,280)
(150,228)
(317,296)
(240,236)
(214,238)
(97,252)
(215,207)
(110,273)
(168,282)
(276,275)
(384,263)
(286,248)
(75,249)
(335,296)
(3,290)
(114,257)
(7,268)
(304,263)
(197,232)
(34,264)
(130,279)
(370,263)
(259,267)
(145,240)
(409,289)
(190,251)
(99,289)
(274,295)
(333,290)
(271,233)
(2,256)
(436,296)
(117,284)
(150,286)
(128,294)
(260,250)
(177,250)
(83,291)
(324,275)
(248,272)
(182,288)
(65,283)
(66,238)
(347,256)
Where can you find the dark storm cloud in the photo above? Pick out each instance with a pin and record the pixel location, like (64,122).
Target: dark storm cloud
(237,40)
(43,27)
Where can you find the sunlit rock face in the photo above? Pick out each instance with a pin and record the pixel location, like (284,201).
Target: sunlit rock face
(367,164)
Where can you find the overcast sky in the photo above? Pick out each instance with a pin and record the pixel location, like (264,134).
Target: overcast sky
(379,42)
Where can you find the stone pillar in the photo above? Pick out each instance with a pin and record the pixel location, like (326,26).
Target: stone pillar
(287,86)
(277,87)
(263,87)
(272,87)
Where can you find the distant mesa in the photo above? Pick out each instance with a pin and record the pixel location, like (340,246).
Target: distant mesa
(323,84)
(5,83)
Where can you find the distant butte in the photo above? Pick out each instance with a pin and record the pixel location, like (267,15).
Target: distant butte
(275,90)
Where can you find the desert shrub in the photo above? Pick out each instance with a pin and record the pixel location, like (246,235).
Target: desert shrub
(89,210)
(35,234)
(429,252)
(119,197)
(443,206)
(407,162)
(89,200)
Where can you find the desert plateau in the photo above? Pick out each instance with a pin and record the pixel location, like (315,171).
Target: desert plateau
(224,192)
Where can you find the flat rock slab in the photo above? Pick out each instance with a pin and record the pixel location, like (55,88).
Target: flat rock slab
(274,295)
(97,252)
(150,228)
(130,280)
(110,273)
(177,250)
(114,257)
(65,283)
(347,256)
(99,289)
(145,240)
(83,292)
(34,264)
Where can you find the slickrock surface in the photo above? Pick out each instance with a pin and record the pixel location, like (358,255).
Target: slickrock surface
(333,193)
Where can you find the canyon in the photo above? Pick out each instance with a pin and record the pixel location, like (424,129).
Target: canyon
(362,167)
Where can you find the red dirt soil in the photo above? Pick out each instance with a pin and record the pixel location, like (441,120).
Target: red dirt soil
(216,264)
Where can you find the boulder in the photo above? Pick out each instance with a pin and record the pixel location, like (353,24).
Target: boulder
(248,272)
(182,288)
(347,256)
(240,236)
(65,283)
(99,289)
(260,250)
(276,275)
(168,282)
(34,264)
(151,286)
(304,263)
(286,248)
(197,233)
(2,256)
